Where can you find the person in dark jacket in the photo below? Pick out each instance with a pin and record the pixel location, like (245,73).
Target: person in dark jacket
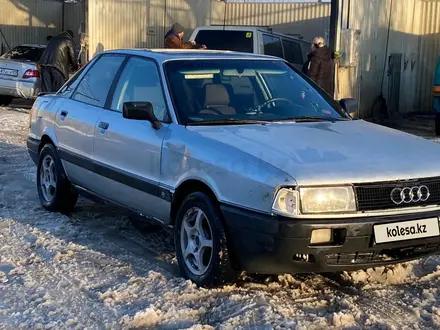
(57,61)
(320,65)
(174,39)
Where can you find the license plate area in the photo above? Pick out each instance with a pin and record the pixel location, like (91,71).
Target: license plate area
(8,72)
(406,230)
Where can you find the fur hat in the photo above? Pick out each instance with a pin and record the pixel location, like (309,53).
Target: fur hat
(319,42)
(177,28)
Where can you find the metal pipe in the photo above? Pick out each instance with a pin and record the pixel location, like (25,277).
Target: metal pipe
(334,21)
(4,38)
(63,11)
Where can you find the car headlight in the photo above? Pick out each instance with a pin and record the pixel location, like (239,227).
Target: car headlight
(286,202)
(327,200)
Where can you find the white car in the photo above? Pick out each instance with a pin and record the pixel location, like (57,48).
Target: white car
(254,39)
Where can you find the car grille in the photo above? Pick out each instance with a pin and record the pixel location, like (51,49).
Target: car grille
(377,196)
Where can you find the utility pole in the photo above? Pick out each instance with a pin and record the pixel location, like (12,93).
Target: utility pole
(334,21)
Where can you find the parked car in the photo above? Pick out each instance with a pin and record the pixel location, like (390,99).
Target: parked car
(19,76)
(253,165)
(252,39)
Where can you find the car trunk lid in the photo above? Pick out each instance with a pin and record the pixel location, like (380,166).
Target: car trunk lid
(17,70)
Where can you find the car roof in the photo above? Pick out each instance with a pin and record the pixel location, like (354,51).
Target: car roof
(162,55)
(266,29)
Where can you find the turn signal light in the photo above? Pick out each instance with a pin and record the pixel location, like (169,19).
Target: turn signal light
(436,91)
(31,74)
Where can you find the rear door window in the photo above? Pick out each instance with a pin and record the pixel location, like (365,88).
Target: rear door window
(272,46)
(292,52)
(95,85)
(239,41)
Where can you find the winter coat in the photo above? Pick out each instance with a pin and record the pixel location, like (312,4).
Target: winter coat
(321,68)
(60,54)
(172,40)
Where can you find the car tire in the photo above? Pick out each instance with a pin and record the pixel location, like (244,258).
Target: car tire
(5,100)
(437,125)
(54,189)
(198,225)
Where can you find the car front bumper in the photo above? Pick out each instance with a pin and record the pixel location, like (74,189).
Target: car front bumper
(33,146)
(265,244)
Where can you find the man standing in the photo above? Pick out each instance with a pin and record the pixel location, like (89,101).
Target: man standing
(174,39)
(320,66)
(57,62)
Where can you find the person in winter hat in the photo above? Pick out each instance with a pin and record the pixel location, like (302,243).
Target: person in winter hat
(320,65)
(174,39)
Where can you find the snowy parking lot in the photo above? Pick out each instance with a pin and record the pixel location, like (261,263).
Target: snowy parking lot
(95,270)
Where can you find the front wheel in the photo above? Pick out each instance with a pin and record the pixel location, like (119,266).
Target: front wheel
(54,189)
(201,243)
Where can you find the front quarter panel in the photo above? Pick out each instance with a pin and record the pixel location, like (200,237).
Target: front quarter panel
(235,177)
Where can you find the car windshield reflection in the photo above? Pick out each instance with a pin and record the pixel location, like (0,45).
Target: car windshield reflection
(230,91)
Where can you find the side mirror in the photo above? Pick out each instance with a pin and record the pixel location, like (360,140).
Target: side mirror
(350,106)
(141,111)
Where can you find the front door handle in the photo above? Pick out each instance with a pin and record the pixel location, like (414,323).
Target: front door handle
(103,125)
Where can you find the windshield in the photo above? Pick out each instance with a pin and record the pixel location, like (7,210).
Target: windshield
(226,90)
(24,53)
(239,41)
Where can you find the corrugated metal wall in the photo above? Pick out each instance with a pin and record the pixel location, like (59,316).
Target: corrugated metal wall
(308,19)
(143,23)
(29,21)
(117,24)
(414,33)
(429,46)
(74,18)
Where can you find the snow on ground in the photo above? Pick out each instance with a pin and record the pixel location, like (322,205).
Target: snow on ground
(94,270)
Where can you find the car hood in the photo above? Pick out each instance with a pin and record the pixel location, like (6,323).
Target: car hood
(333,153)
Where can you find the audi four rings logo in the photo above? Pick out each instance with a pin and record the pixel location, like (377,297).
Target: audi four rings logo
(410,195)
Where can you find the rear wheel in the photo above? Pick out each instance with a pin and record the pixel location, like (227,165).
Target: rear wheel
(5,100)
(201,243)
(54,189)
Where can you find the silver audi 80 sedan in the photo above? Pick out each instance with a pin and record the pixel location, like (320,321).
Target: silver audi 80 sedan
(251,163)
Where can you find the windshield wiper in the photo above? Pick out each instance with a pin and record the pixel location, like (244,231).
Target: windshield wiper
(228,122)
(303,119)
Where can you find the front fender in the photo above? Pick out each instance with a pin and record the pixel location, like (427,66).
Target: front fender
(235,177)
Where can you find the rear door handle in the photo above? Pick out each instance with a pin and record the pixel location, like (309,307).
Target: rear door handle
(63,114)
(102,125)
